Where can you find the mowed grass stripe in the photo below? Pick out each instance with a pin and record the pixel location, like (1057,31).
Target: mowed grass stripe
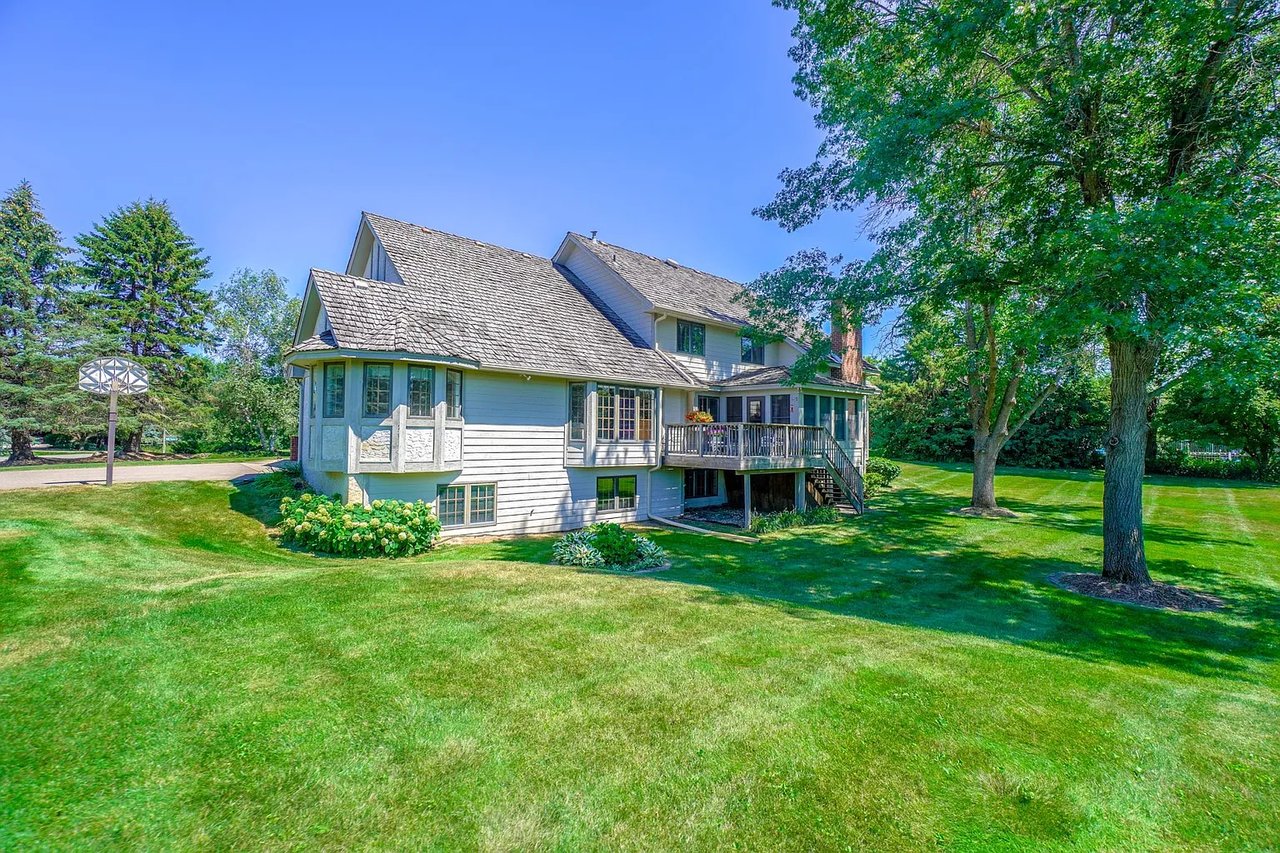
(904,680)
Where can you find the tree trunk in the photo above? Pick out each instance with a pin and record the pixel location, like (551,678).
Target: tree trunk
(1123,555)
(20,446)
(1152,439)
(985,454)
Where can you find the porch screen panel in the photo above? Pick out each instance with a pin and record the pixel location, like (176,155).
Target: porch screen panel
(810,410)
(842,420)
(780,408)
(733,410)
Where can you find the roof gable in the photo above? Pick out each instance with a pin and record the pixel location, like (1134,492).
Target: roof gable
(670,286)
(496,307)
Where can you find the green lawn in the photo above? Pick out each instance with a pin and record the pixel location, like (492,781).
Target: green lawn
(170,678)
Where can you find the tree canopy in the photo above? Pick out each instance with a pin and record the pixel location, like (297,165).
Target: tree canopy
(1128,150)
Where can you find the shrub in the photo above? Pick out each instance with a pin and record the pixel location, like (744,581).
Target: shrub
(1171,459)
(770,521)
(880,473)
(386,528)
(608,546)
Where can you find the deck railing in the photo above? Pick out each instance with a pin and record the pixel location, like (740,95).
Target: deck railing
(769,441)
(782,442)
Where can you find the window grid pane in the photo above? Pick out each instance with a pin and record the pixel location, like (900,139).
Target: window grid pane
(646,416)
(751,352)
(482,504)
(453,506)
(377,390)
(842,424)
(334,390)
(606,414)
(420,392)
(627,414)
(710,405)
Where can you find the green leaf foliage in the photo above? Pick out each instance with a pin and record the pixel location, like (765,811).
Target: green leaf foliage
(386,528)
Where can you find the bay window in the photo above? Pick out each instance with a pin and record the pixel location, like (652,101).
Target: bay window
(624,414)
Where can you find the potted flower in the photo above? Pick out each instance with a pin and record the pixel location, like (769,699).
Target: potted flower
(697,416)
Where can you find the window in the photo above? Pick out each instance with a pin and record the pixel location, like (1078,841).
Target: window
(481,510)
(578,411)
(644,430)
(335,390)
(377,390)
(701,483)
(421,380)
(842,422)
(752,352)
(471,504)
(755,410)
(824,412)
(624,414)
(810,410)
(733,410)
(453,393)
(710,405)
(780,408)
(627,414)
(452,506)
(606,413)
(691,338)
(615,493)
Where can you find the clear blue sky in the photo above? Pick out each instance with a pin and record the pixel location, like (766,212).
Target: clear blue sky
(269,126)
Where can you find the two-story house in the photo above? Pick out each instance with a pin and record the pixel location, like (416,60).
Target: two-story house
(524,394)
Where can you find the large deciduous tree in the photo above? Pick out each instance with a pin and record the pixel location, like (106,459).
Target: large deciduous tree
(1135,142)
(35,296)
(145,272)
(254,404)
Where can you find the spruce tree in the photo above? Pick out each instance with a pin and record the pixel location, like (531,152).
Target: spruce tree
(144,272)
(36,365)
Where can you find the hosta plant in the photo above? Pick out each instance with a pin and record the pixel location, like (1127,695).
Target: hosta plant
(608,546)
(386,528)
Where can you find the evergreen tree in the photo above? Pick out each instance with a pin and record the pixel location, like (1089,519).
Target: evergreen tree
(145,272)
(35,309)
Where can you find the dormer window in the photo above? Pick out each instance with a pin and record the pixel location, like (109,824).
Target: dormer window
(691,338)
(752,352)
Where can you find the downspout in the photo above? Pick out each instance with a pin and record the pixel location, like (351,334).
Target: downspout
(660,415)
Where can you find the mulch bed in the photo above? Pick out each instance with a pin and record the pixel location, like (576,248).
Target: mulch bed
(1156,595)
(727,516)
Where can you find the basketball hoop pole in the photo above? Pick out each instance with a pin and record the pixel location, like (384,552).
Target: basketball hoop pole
(111,433)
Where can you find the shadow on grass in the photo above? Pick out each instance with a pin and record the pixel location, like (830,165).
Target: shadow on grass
(908,564)
(911,563)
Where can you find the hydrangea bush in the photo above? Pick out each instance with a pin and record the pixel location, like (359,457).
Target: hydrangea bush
(386,528)
(608,546)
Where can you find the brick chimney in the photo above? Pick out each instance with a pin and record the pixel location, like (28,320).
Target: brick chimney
(846,342)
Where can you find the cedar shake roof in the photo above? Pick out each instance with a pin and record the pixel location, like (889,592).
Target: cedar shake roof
(674,288)
(495,307)
(782,376)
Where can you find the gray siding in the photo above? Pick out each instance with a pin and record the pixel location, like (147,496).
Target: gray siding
(606,283)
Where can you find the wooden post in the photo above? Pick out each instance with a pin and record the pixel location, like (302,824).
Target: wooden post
(746,500)
(111,434)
